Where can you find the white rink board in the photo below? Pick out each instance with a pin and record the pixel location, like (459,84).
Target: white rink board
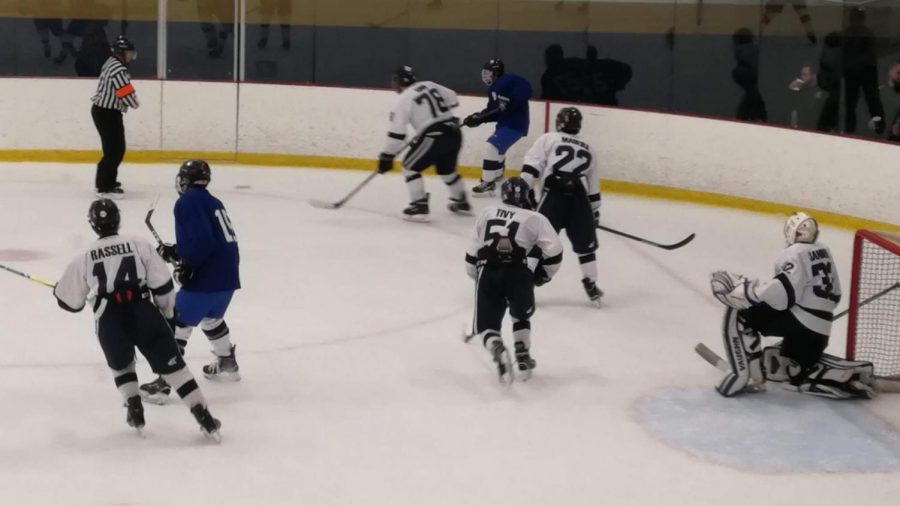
(840,175)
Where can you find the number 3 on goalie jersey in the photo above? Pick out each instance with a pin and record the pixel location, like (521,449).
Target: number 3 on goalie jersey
(824,289)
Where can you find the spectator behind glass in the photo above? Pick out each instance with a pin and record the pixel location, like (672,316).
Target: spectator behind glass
(829,80)
(746,75)
(806,98)
(893,132)
(551,79)
(604,78)
(861,72)
(281,11)
(775,7)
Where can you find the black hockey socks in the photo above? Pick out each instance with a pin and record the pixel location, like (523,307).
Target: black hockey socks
(126,381)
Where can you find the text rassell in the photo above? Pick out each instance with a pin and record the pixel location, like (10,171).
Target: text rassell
(108,251)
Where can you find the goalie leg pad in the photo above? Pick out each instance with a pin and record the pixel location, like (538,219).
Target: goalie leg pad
(742,345)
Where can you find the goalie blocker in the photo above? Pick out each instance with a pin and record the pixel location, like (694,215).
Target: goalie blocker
(796,305)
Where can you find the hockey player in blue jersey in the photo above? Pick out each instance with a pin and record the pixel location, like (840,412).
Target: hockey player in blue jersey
(507,106)
(206,260)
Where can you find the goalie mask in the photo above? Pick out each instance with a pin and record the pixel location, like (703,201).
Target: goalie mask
(800,227)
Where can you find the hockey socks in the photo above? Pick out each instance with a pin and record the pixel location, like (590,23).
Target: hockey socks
(126,381)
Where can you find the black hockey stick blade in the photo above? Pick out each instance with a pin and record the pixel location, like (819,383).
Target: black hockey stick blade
(672,246)
(868,300)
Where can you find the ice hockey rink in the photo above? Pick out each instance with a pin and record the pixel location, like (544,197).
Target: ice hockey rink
(358,390)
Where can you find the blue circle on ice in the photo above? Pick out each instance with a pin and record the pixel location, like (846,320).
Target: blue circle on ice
(772,431)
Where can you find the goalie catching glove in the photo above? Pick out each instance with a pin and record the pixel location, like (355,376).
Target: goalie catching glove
(734,290)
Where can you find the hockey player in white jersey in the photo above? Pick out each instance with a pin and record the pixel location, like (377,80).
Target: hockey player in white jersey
(428,108)
(133,296)
(566,166)
(513,249)
(796,304)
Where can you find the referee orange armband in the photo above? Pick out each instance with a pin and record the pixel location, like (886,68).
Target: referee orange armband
(124,91)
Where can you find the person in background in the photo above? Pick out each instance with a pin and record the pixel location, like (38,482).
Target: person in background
(115,95)
(893,130)
(806,97)
(746,75)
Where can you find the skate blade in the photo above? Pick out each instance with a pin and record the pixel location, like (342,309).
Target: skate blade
(223,376)
(505,369)
(214,436)
(158,399)
(523,375)
(140,432)
(416,218)
(484,195)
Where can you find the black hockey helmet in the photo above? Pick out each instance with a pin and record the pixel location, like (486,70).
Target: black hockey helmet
(568,120)
(193,173)
(516,192)
(491,70)
(104,217)
(121,45)
(403,76)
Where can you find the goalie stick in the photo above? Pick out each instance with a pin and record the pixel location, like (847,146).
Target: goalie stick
(672,246)
(886,384)
(28,277)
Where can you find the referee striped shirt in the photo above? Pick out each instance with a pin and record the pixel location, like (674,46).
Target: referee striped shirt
(114,90)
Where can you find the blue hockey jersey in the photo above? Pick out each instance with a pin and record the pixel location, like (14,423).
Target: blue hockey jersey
(206,242)
(509,96)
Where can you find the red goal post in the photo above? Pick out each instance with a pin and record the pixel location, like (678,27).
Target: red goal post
(873,329)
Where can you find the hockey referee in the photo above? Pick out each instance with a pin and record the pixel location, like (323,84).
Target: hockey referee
(115,94)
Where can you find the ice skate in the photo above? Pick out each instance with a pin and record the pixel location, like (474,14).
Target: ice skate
(156,392)
(525,363)
(460,206)
(593,293)
(417,210)
(208,425)
(134,416)
(223,368)
(114,193)
(485,189)
(504,364)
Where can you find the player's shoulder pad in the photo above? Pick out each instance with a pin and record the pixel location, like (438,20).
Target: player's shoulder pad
(789,259)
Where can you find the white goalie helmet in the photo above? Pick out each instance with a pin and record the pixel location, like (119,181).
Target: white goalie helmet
(800,227)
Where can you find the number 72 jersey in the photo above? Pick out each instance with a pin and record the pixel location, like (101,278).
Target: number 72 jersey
(806,283)
(421,105)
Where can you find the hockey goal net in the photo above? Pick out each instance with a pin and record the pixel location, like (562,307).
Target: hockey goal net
(873,329)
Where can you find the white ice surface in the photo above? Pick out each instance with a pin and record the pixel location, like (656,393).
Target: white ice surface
(358,391)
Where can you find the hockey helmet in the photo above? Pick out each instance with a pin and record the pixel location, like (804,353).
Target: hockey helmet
(516,192)
(193,173)
(568,120)
(104,217)
(403,77)
(123,45)
(800,227)
(492,70)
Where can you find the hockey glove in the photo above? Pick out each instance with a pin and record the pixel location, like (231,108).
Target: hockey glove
(168,252)
(734,290)
(385,163)
(540,276)
(183,274)
(472,120)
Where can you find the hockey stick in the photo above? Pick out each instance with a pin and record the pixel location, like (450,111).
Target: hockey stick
(672,246)
(28,277)
(149,224)
(337,205)
(870,299)
(886,384)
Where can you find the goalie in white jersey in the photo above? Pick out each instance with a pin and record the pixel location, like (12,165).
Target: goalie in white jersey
(513,249)
(428,108)
(566,166)
(120,275)
(797,304)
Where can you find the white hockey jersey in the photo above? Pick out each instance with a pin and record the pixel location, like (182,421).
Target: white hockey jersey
(806,283)
(111,263)
(558,152)
(421,105)
(518,233)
